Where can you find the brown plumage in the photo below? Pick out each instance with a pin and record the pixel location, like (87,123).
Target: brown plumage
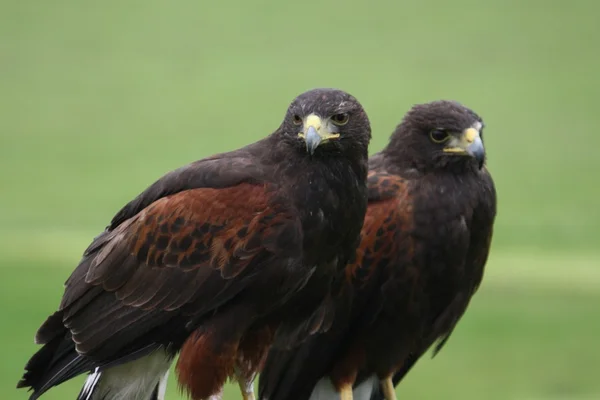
(208,259)
(424,244)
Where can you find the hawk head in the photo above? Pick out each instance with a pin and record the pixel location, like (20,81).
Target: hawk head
(323,122)
(441,134)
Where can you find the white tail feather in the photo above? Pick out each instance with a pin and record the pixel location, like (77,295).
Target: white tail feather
(162,386)
(135,380)
(90,385)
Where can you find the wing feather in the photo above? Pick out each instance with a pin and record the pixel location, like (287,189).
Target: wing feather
(184,254)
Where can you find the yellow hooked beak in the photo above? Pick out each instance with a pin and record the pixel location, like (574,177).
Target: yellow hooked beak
(316,131)
(468,143)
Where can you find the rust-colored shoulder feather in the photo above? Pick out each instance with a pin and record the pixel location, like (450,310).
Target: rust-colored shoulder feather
(176,258)
(388,214)
(172,254)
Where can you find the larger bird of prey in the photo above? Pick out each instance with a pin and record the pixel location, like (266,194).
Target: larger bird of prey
(424,245)
(211,254)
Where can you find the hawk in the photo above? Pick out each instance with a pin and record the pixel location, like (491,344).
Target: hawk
(424,244)
(211,261)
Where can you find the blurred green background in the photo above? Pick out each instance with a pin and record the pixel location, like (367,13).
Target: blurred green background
(98,99)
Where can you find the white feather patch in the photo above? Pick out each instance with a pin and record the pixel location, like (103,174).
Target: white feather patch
(162,386)
(135,380)
(324,390)
(90,385)
(365,389)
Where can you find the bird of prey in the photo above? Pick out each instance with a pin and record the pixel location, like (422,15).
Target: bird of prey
(208,256)
(424,245)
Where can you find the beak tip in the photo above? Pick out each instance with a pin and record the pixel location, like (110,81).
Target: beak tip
(476,150)
(312,139)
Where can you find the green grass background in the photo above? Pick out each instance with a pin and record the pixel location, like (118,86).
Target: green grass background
(98,99)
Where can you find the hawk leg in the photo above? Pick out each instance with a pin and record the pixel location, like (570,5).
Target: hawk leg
(246,384)
(346,392)
(388,388)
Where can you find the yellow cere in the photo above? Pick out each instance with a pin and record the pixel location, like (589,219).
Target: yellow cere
(314,121)
(471,134)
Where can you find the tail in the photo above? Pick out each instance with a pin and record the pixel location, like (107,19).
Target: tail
(295,373)
(56,362)
(137,373)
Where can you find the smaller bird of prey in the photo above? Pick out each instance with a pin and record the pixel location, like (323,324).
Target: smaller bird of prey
(209,256)
(424,244)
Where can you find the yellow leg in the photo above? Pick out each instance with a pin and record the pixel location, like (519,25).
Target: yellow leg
(247,389)
(346,392)
(388,388)
(246,384)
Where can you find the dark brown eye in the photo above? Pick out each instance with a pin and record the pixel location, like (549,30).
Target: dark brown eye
(439,135)
(297,120)
(340,119)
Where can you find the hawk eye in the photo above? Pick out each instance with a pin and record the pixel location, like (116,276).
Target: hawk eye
(296,119)
(340,119)
(439,135)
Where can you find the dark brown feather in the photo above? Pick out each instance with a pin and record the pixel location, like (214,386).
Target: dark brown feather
(224,247)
